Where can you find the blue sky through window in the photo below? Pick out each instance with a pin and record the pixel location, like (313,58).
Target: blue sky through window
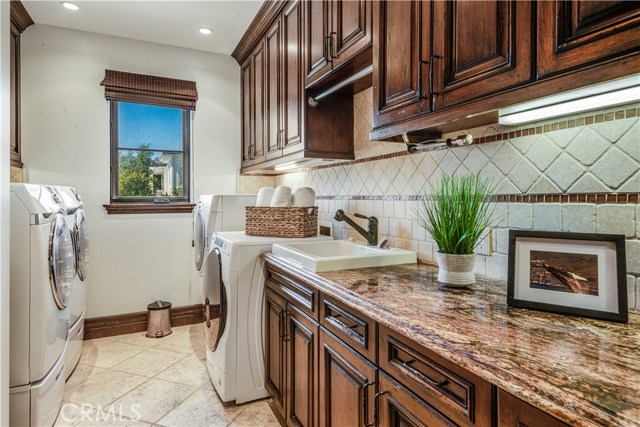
(158,127)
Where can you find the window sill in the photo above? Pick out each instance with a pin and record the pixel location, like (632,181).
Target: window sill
(148,208)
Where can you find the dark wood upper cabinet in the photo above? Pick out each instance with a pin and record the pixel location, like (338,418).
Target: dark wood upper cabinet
(275,348)
(578,32)
(14,91)
(293,80)
(20,21)
(479,47)
(246,87)
(337,32)
(351,29)
(347,385)
(317,20)
(273,91)
(401,60)
(258,59)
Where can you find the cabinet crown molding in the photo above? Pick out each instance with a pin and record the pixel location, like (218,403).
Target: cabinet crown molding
(19,16)
(267,13)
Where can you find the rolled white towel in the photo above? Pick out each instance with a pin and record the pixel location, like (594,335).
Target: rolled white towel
(304,197)
(265,195)
(281,197)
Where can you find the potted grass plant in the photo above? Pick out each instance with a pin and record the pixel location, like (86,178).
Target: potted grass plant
(456,215)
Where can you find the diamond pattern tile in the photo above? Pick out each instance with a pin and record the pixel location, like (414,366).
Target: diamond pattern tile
(476,160)
(506,157)
(524,174)
(449,163)
(543,152)
(588,146)
(565,171)
(630,142)
(614,168)
(613,130)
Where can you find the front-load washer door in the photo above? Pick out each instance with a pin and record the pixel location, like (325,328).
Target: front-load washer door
(199,236)
(215,300)
(61,261)
(81,241)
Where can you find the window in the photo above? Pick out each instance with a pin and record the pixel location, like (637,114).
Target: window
(150,142)
(149,153)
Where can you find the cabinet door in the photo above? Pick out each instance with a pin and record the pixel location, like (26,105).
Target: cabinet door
(351,28)
(317,28)
(480,47)
(302,368)
(246,82)
(401,60)
(578,32)
(398,407)
(513,412)
(14,94)
(346,385)
(259,110)
(273,93)
(293,80)
(275,348)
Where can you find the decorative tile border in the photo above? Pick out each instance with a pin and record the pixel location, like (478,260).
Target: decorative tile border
(544,128)
(595,198)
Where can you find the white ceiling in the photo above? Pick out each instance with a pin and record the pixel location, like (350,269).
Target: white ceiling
(172,23)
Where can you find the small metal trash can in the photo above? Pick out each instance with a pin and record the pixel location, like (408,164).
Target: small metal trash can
(158,319)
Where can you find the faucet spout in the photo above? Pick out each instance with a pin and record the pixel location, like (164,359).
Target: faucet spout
(370,235)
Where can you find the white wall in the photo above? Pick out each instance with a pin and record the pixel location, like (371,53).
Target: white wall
(4,213)
(136,259)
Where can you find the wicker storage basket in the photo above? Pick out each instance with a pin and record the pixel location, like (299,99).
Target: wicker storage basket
(281,222)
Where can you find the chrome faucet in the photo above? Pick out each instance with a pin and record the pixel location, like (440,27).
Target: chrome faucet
(371,235)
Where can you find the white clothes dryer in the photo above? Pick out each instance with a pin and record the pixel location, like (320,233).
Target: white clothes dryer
(41,278)
(234,322)
(214,213)
(77,222)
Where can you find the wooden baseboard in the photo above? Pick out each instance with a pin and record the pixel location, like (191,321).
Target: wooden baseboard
(120,324)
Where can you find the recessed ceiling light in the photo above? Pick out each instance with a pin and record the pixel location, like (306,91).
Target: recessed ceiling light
(205,30)
(69,5)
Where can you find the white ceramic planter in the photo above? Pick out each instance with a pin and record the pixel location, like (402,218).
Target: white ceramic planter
(456,270)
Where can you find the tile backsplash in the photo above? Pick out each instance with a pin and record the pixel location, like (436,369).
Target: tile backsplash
(595,154)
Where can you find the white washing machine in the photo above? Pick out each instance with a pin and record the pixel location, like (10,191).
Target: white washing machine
(41,278)
(214,213)
(234,321)
(76,220)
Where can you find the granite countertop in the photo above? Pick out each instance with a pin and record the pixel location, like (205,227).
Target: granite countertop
(584,372)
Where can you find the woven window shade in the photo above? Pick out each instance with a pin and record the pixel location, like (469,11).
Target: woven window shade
(141,88)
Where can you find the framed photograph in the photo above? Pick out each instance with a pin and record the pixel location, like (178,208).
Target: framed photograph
(580,274)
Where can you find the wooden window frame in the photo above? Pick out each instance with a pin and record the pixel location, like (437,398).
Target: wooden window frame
(144,205)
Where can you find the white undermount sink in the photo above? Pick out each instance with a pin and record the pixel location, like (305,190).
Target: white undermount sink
(335,255)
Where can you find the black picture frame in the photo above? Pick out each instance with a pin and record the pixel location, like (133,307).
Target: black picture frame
(620,315)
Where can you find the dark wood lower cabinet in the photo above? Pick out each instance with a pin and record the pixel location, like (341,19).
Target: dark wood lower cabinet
(399,407)
(346,385)
(302,367)
(513,412)
(275,348)
(320,379)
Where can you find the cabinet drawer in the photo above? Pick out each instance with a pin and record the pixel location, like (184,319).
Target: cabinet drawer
(513,412)
(398,407)
(460,395)
(296,292)
(351,326)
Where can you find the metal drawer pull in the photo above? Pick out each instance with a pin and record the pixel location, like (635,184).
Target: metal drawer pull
(407,365)
(365,405)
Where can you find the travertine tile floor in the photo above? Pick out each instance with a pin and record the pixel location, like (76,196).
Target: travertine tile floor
(131,380)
